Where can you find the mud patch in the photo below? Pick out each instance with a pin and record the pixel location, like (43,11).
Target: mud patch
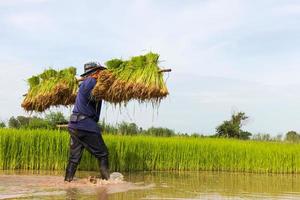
(33,186)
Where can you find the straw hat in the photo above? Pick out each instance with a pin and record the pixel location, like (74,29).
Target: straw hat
(91,67)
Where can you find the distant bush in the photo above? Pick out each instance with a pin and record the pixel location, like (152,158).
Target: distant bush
(108,128)
(266,137)
(39,123)
(165,132)
(13,123)
(196,135)
(128,128)
(56,118)
(292,136)
(2,124)
(125,128)
(30,123)
(262,137)
(23,121)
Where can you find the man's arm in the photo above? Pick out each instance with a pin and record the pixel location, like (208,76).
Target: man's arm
(87,85)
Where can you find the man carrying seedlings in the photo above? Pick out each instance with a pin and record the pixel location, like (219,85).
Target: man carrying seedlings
(83,127)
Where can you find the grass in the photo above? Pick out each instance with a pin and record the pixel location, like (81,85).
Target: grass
(48,150)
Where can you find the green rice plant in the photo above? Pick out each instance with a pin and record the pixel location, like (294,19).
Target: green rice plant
(48,150)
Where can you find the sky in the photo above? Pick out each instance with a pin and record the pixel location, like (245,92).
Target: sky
(226,55)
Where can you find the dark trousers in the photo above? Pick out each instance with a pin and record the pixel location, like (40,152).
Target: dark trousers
(93,142)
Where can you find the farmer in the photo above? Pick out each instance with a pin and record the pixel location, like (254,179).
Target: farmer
(83,128)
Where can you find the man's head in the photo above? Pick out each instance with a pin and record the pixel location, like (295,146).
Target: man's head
(90,68)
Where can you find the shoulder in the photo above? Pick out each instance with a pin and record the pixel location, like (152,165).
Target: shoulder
(89,80)
(88,84)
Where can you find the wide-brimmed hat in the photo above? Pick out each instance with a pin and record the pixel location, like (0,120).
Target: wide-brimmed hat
(91,67)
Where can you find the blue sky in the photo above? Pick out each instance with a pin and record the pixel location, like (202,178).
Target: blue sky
(226,55)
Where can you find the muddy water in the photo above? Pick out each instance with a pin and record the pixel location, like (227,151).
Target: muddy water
(158,185)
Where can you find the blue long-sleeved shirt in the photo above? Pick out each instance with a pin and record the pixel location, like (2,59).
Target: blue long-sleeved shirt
(86,106)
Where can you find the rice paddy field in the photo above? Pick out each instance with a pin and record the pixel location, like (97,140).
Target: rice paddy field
(48,150)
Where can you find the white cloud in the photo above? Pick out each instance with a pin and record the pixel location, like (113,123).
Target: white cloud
(183,34)
(19,2)
(289,9)
(13,85)
(33,22)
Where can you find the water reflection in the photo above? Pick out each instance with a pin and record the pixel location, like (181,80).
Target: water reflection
(72,193)
(212,185)
(155,185)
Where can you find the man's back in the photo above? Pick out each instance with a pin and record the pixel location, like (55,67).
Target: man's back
(84,105)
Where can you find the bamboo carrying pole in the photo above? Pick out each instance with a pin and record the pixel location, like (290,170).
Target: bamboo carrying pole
(165,70)
(160,71)
(62,125)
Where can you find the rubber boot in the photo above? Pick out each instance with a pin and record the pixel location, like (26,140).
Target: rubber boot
(103,166)
(70,171)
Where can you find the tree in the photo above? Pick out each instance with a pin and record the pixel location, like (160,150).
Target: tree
(128,128)
(39,123)
(13,123)
(56,118)
(262,137)
(292,136)
(2,124)
(228,129)
(196,135)
(232,128)
(23,121)
(245,135)
(108,128)
(165,132)
(278,137)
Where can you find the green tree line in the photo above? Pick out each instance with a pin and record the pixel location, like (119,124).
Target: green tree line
(51,120)
(231,128)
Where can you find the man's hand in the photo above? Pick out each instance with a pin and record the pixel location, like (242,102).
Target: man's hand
(80,79)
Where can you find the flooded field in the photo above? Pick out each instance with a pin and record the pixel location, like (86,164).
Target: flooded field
(155,185)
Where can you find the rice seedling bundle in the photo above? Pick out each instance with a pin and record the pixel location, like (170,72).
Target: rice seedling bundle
(51,88)
(48,150)
(138,78)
